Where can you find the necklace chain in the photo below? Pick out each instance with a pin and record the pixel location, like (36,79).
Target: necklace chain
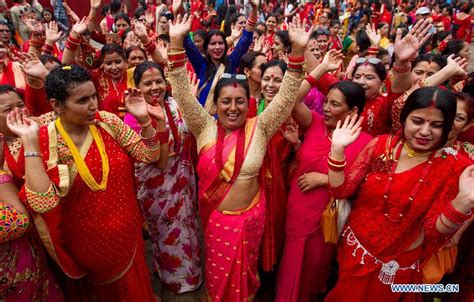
(412,153)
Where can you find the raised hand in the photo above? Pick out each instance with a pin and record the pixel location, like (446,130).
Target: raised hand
(136,105)
(179,30)
(33,67)
(156,112)
(458,66)
(346,133)
(236,33)
(408,46)
(95,4)
(373,34)
(298,35)
(311,180)
(131,40)
(150,18)
(80,27)
(332,60)
(163,49)
(20,124)
(74,18)
(52,33)
(139,29)
(254,3)
(194,83)
(291,132)
(464,201)
(176,6)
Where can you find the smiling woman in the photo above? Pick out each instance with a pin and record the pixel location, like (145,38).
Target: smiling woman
(85,197)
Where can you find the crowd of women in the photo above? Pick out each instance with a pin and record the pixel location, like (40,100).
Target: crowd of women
(274,151)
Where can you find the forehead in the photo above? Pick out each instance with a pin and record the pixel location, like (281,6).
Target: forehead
(428,66)
(81,90)
(274,71)
(232,91)
(216,38)
(121,22)
(137,52)
(151,74)
(433,114)
(322,38)
(112,57)
(366,69)
(336,94)
(461,107)
(9,98)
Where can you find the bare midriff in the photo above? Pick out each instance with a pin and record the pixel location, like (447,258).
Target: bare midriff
(241,195)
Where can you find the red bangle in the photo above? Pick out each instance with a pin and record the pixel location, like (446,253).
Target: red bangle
(336,162)
(73,40)
(373,49)
(48,49)
(164,137)
(446,226)
(311,80)
(402,69)
(337,168)
(177,57)
(71,46)
(454,215)
(292,59)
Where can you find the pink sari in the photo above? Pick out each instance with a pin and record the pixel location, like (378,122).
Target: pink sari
(304,243)
(232,238)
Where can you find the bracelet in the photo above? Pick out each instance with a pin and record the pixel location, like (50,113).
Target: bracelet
(32,154)
(295,60)
(336,168)
(311,80)
(177,50)
(454,215)
(48,49)
(401,69)
(73,40)
(146,124)
(252,21)
(148,138)
(297,70)
(176,64)
(5,178)
(177,55)
(446,226)
(163,137)
(336,162)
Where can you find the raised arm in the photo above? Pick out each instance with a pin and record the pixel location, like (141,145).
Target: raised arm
(301,113)
(74,41)
(407,48)
(270,120)
(196,117)
(95,4)
(139,29)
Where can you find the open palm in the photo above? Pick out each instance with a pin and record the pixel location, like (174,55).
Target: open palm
(297,31)
(136,104)
(407,47)
(346,133)
(181,27)
(21,125)
(333,59)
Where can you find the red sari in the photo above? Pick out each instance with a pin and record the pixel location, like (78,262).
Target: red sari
(370,239)
(231,238)
(305,266)
(96,235)
(110,94)
(464,30)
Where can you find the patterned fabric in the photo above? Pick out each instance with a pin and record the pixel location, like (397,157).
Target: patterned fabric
(13,224)
(168,200)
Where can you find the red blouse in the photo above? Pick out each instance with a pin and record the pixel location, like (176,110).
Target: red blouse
(380,236)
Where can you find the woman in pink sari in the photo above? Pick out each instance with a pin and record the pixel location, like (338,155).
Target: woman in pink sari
(305,265)
(231,153)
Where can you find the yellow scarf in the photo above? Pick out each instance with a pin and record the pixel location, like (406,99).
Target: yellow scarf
(79,161)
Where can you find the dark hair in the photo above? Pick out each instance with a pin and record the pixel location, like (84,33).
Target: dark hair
(200,33)
(355,24)
(122,16)
(140,70)
(140,11)
(125,34)
(272,15)
(438,37)
(221,13)
(62,78)
(274,63)
(381,24)
(111,48)
(224,82)
(133,48)
(49,11)
(261,23)
(169,16)
(211,69)
(453,47)
(335,22)
(466,8)
(231,9)
(465,97)
(164,38)
(105,9)
(235,17)
(353,92)
(248,60)
(429,58)
(285,39)
(7,89)
(115,6)
(378,68)
(49,59)
(363,41)
(425,97)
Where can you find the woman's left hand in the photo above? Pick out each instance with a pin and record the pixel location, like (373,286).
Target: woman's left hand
(407,47)
(464,201)
(33,67)
(373,34)
(136,105)
(299,37)
(311,180)
(156,111)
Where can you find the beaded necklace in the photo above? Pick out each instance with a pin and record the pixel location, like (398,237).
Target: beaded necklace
(416,189)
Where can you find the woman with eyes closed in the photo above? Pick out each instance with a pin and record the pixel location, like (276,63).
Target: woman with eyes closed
(231,151)
(412,196)
(306,262)
(167,190)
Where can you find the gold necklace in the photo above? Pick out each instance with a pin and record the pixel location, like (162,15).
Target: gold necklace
(412,153)
(81,166)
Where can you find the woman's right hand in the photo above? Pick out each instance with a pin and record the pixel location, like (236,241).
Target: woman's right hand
(299,37)
(457,66)
(80,27)
(52,33)
(179,30)
(332,59)
(407,47)
(346,133)
(136,105)
(21,125)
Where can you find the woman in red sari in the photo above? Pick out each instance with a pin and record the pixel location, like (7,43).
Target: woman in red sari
(412,197)
(231,152)
(92,230)
(462,23)
(306,263)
